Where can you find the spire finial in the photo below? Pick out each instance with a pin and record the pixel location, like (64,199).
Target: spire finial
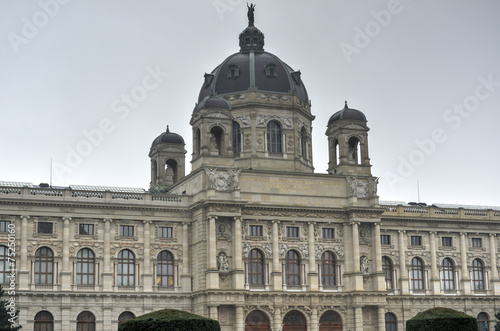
(345,106)
(251,9)
(168,130)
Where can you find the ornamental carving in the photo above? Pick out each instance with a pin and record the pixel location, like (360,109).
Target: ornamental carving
(263,119)
(245,249)
(318,251)
(236,97)
(340,251)
(224,208)
(373,184)
(364,234)
(244,120)
(283,249)
(222,262)
(220,181)
(359,188)
(364,264)
(304,249)
(268,249)
(223,228)
(292,213)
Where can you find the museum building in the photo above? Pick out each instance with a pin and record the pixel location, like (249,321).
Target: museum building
(251,236)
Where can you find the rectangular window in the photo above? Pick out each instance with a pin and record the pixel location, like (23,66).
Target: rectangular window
(45,227)
(328,233)
(4,226)
(292,232)
(86,229)
(416,240)
(385,239)
(165,232)
(477,242)
(255,230)
(126,230)
(446,241)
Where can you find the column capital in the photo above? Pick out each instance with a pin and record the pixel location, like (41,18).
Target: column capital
(377,223)
(402,231)
(66,218)
(311,222)
(107,220)
(433,232)
(354,223)
(147,221)
(212,217)
(493,234)
(275,221)
(25,216)
(463,233)
(238,219)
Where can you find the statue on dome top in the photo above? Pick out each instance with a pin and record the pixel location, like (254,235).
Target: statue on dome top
(251,9)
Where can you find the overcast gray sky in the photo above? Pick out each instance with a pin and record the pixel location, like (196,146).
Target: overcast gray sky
(425,73)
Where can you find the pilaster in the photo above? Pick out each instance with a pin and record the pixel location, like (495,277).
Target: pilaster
(23,273)
(186,276)
(276,274)
(465,281)
(494,282)
(239,273)
(212,275)
(434,283)
(313,272)
(403,275)
(66,271)
(147,275)
(107,275)
(377,258)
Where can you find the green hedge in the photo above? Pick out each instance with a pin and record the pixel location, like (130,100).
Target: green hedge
(441,319)
(170,320)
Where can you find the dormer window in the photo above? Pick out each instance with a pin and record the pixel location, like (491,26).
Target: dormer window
(296,77)
(233,71)
(271,70)
(208,79)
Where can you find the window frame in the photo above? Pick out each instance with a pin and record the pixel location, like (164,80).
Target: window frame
(274,137)
(4,265)
(417,271)
(125,278)
(387,269)
(255,230)
(292,232)
(82,226)
(383,241)
(476,242)
(85,268)
(328,269)
(122,227)
(44,267)
(447,241)
(328,233)
(256,268)
(169,232)
(416,240)
(292,268)
(45,227)
(447,274)
(477,275)
(165,269)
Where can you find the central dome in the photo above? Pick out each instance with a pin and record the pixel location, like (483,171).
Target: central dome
(253,69)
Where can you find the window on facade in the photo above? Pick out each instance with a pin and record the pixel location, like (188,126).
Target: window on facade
(385,239)
(477,242)
(274,137)
(328,269)
(482,322)
(387,269)
(271,70)
(45,227)
(44,266)
(85,321)
(126,230)
(255,267)
(86,229)
(165,232)
(416,240)
(233,71)
(417,274)
(294,320)
(236,138)
(85,267)
(44,321)
(330,320)
(125,316)
(447,274)
(391,324)
(255,230)
(292,232)
(446,241)
(4,226)
(292,268)
(477,275)
(126,268)
(197,143)
(303,143)
(4,265)
(336,155)
(165,269)
(328,233)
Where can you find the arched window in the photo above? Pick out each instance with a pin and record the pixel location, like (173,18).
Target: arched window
(216,140)
(85,321)
(197,143)
(125,316)
(44,266)
(44,321)
(236,138)
(170,171)
(274,137)
(328,269)
(257,320)
(482,322)
(85,271)
(292,268)
(391,323)
(4,265)
(417,274)
(255,267)
(478,275)
(387,269)
(294,320)
(336,151)
(126,268)
(165,269)
(303,143)
(330,321)
(447,274)
(354,155)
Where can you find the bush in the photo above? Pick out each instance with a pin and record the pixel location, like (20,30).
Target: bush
(441,319)
(170,320)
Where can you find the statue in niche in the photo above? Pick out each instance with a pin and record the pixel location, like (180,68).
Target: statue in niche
(222,262)
(213,142)
(364,264)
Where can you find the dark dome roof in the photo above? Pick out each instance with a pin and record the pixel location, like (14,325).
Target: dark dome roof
(347,114)
(253,68)
(212,102)
(168,137)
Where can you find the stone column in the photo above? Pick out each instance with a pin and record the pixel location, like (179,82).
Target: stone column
(240,325)
(377,259)
(185,277)
(23,273)
(403,274)
(238,273)
(463,259)
(107,275)
(381,318)
(66,267)
(358,319)
(212,272)
(147,275)
(494,281)
(213,312)
(278,324)
(434,284)
(314,320)
(276,274)
(313,273)
(357,276)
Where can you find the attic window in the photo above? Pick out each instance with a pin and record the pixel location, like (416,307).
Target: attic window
(233,71)
(271,70)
